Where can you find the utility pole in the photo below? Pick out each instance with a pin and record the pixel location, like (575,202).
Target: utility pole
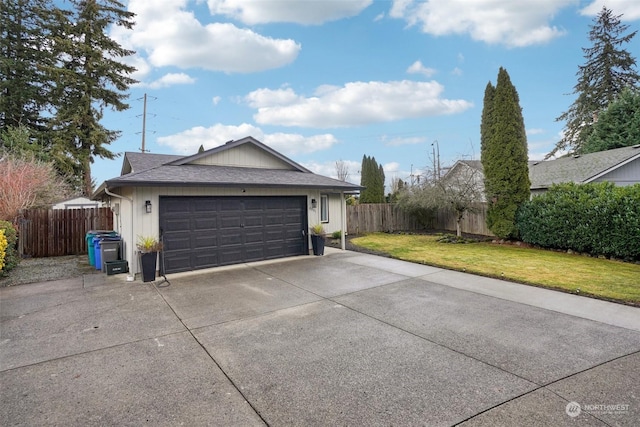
(144,123)
(436,167)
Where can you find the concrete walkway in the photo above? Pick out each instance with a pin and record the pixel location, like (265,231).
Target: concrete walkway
(344,339)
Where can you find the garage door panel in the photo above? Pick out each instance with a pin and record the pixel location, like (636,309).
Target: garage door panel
(253,220)
(206,259)
(205,242)
(202,232)
(205,223)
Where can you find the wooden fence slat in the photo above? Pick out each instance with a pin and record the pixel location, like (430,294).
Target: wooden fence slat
(58,232)
(376,217)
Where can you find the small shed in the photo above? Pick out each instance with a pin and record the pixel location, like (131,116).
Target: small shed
(77,203)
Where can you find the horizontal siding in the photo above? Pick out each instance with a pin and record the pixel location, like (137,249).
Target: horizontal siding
(628,174)
(245,155)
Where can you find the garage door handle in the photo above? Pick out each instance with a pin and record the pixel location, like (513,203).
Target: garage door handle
(303,233)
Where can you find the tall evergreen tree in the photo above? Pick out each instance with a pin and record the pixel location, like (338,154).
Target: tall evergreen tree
(89,79)
(618,126)
(504,156)
(609,68)
(25,59)
(372,178)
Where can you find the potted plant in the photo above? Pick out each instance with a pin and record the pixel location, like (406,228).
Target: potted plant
(149,247)
(317,239)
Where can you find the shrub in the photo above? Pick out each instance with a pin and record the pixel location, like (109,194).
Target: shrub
(452,238)
(3,248)
(336,234)
(599,219)
(11,258)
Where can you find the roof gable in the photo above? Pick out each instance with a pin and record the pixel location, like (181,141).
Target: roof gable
(244,153)
(580,169)
(137,162)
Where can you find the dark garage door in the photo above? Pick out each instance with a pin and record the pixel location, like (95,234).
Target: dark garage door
(203,232)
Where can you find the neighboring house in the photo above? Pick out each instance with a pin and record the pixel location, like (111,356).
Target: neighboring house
(469,173)
(620,166)
(76,203)
(236,203)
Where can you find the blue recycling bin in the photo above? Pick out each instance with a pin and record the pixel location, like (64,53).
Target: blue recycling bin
(91,246)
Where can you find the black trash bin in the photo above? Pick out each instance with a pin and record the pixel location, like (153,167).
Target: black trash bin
(109,251)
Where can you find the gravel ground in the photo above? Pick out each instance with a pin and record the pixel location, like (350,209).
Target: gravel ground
(32,270)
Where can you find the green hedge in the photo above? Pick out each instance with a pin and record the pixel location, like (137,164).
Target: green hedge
(11,257)
(599,219)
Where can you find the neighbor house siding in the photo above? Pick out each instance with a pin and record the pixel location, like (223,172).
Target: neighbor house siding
(628,174)
(243,156)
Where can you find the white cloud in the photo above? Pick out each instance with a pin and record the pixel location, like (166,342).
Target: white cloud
(329,169)
(397,141)
(457,71)
(216,100)
(170,79)
(189,141)
(512,23)
(168,35)
(356,103)
(391,167)
(535,131)
(253,12)
(418,68)
(629,9)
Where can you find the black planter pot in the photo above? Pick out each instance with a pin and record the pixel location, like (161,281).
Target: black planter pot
(317,242)
(148,261)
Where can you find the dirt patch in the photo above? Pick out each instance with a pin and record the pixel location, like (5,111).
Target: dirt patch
(33,270)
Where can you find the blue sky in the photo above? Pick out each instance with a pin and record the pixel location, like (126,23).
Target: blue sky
(328,80)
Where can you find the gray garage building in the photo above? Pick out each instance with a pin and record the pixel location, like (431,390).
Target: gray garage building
(239,202)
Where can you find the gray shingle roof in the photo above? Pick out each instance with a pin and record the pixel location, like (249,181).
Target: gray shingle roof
(143,161)
(579,169)
(153,170)
(207,175)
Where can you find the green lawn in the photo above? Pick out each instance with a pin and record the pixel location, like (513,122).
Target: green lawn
(601,278)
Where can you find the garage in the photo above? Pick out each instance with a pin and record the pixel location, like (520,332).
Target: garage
(202,232)
(234,203)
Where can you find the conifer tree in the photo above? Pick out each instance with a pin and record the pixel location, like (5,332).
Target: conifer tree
(25,49)
(608,69)
(90,78)
(372,178)
(504,156)
(618,126)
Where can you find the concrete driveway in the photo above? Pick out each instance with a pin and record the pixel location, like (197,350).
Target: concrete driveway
(344,339)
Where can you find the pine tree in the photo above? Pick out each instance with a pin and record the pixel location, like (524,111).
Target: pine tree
(89,79)
(617,126)
(26,58)
(504,156)
(607,71)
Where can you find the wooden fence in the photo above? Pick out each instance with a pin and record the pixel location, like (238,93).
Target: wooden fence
(57,232)
(472,223)
(374,217)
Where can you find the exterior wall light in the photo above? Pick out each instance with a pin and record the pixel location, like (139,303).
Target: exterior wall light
(147,206)
(314,204)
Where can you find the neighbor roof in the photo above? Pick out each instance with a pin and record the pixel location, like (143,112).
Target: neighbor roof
(153,170)
(580,169)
